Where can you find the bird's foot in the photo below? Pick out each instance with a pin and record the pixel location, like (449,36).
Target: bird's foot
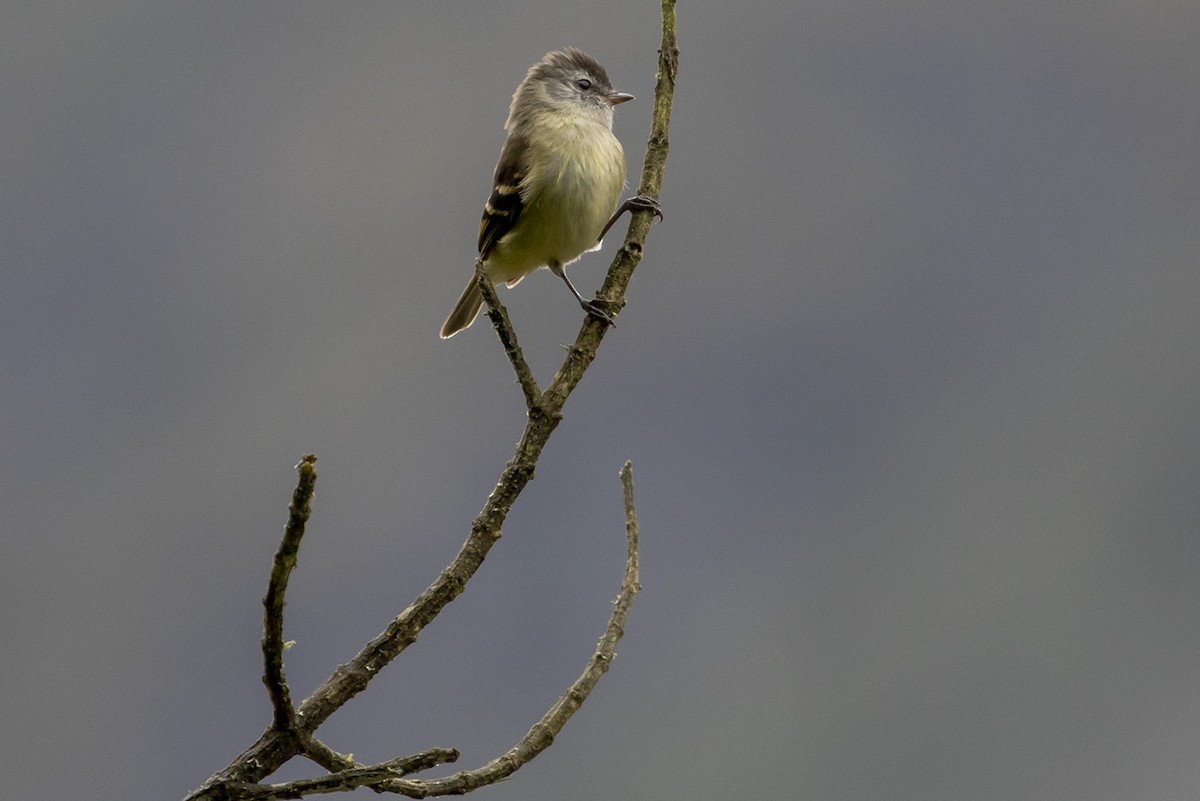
(598,308)
(635,203)
(643,203)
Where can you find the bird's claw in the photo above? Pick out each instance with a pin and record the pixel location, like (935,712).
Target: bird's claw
(635,203)
(645,203)
(596,308)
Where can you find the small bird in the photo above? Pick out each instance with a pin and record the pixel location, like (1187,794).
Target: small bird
(557,183)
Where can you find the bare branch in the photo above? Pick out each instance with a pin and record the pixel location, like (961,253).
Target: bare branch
(289,732)
(544,417)
(273,601)
(542,735)
(316,751)
(632,532)
(374,776)
(508,338)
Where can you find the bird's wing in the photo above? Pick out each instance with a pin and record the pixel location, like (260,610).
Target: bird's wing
(503,207)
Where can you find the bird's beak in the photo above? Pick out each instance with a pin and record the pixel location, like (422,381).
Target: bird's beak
(617,98)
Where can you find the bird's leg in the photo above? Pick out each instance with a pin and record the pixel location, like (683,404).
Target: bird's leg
(592,307)
(635,203)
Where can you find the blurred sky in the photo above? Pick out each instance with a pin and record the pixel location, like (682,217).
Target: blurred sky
(910,377)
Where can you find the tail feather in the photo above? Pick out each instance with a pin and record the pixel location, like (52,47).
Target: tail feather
(464,312)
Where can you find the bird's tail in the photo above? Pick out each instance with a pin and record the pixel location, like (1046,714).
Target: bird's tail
(464,312)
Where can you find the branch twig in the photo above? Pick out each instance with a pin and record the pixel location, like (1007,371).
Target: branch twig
(273,601)
(508,338)
(375,776)
(542,735)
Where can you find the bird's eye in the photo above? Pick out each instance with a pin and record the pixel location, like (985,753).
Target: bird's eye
(584,84)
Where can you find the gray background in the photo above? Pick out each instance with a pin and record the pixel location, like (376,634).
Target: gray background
(909,378)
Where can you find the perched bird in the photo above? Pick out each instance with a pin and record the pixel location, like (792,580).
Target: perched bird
(557,183)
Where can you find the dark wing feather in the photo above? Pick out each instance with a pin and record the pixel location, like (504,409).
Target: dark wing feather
(503,207)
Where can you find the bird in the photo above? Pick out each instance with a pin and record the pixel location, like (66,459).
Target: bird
(560,174)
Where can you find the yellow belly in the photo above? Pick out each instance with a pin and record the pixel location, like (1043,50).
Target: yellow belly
(576,192)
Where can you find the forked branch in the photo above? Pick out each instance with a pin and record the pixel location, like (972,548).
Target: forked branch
(292,730)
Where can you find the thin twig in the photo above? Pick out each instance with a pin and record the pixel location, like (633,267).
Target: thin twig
(273,601)
(316,751)
(332,761)
(542,735)
(374,776)
(508,338)
(631,522)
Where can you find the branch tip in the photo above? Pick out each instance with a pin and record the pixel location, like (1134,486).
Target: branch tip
(273,645)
